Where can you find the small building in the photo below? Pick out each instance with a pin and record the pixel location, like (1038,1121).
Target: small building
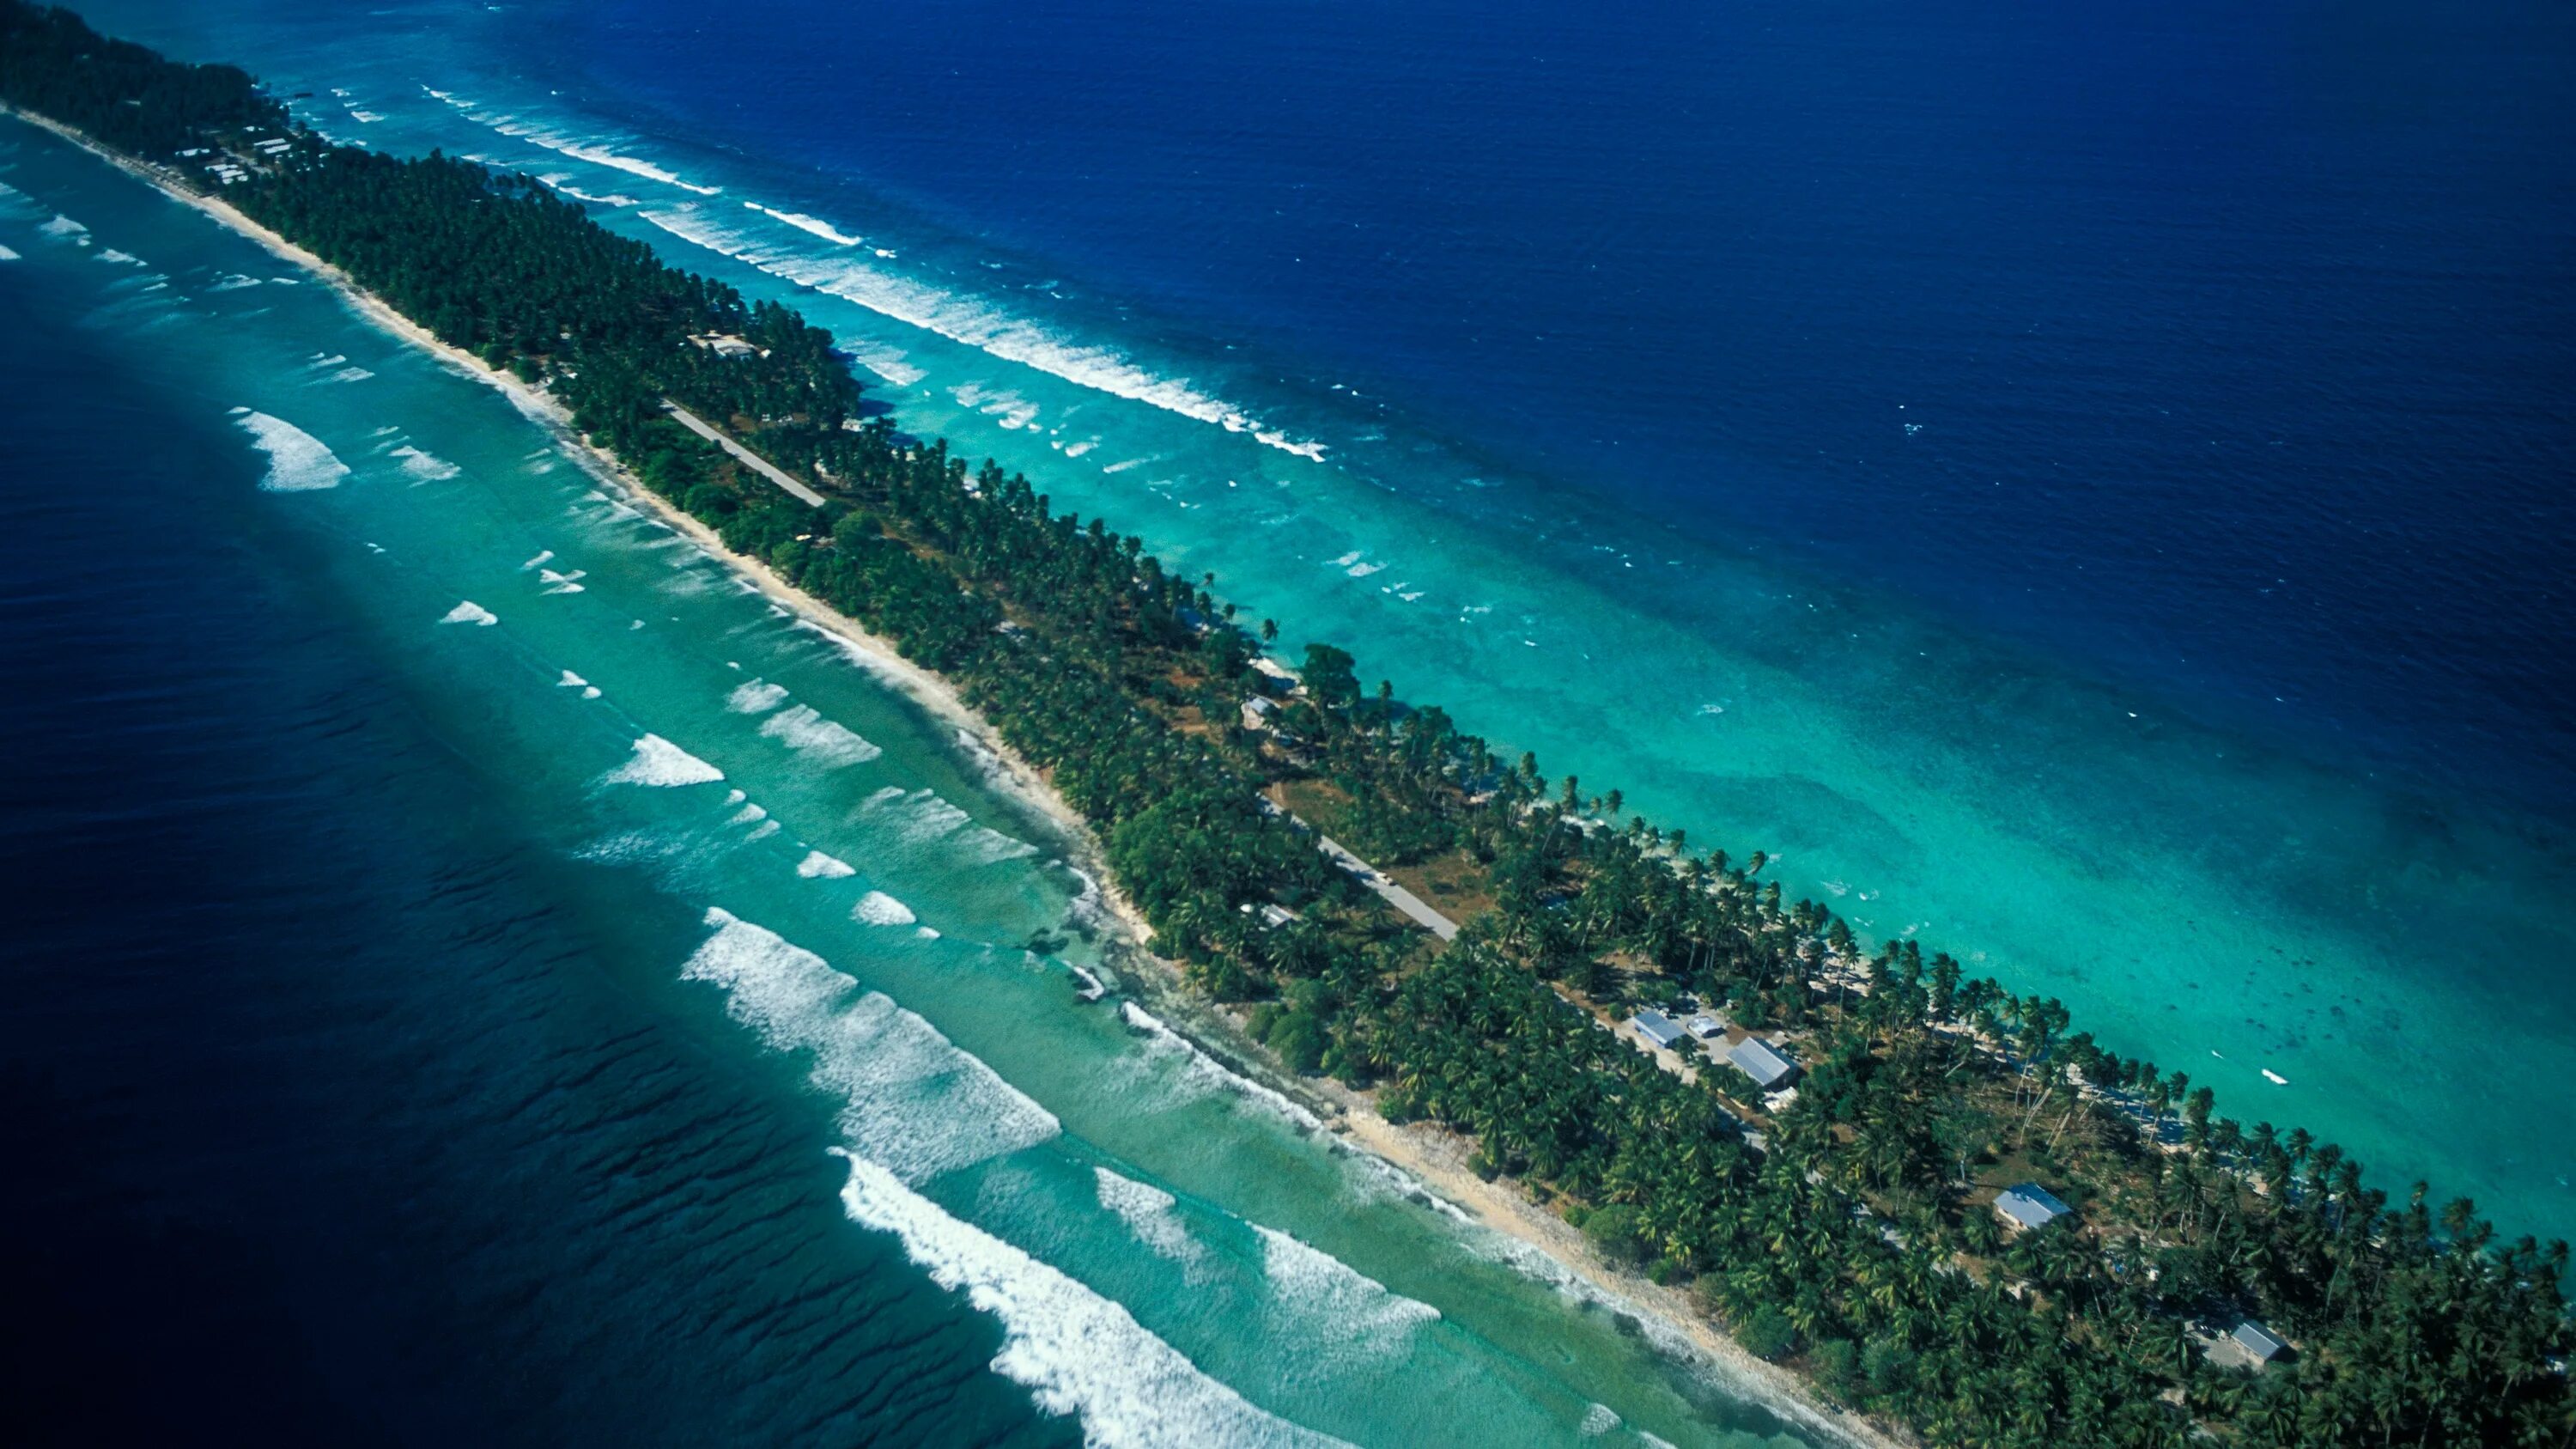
(1258,712)
(1707,1026)
(1271,914)
(2260,1344)
(1762,1062)
(2029,1206)
(1656,1027)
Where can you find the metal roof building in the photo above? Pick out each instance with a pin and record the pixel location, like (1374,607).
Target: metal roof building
(1762,1062)
(2030,1206)
(1656,1027)
(2262,1343)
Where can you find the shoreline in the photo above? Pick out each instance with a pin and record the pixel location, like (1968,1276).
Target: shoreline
(1432,1156)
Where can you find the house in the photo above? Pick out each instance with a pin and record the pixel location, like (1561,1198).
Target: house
(1762,1062)
(1656,1027)
(2260,1344)
(1271,915)
(1257,712)
(1707,1026)
(2029,1206)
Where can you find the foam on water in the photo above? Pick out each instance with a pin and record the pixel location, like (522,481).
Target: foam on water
(1077,1352)
(424,467)
(470,612)
(820,740)
(562,583)
(7,255)
(661,764)
(1323,1292)
(590,150)
(920,815)
(756,697)
(910,1099)
(818,866)
(1162,1040)
(749,814)
(979,323)
(876,908)
(63,227)
(987,846)
(298,462)
(1149,1213)
(813,226)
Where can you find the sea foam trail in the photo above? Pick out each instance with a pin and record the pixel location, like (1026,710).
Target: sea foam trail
(1207,1069)
(425,467)
(876,908)
(658,762)
(1321,1290)
(756,697)
(818,739)
(470,612)
(1150,1213)
(978,324)
(1075,1351)
(910,1099)
(298,462)
(818,866)
(579,150)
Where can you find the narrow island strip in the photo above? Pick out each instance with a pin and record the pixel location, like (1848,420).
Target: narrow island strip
(1918,1201)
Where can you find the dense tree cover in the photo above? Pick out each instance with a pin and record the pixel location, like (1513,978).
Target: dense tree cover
(119,92)
(1845,1231)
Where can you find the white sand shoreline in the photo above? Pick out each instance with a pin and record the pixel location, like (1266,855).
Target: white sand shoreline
(1433,1156)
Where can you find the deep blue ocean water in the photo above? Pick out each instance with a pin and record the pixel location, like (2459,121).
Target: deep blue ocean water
(2227,350)
(330,1118)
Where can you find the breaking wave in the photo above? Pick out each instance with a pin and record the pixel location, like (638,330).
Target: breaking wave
(425,467)
(818,866)
(660,763)
(756,697)
(876,908)
(910,1099)
(1148,1212)
(818,739)
(977,323)
(298,462)
(1075,1351)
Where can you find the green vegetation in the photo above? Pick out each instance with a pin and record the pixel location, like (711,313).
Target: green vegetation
(1855,1240)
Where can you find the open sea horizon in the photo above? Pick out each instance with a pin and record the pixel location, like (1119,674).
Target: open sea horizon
(2085,491)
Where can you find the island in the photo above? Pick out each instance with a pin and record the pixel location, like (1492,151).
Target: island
(1952,1214)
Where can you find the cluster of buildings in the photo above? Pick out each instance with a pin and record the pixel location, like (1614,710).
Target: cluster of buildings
(1768,1065)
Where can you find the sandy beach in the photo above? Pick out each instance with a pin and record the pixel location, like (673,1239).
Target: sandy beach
(1433,1156)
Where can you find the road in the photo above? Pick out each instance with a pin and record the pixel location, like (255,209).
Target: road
(1388,891)
(743,455)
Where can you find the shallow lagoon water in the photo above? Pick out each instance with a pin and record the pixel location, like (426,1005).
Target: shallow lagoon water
(593,1006)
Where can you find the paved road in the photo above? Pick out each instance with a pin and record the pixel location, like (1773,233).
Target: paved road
(743,455)
(1393,894)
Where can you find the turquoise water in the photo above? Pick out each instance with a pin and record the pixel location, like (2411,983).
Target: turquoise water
(779,977)
(2204,884)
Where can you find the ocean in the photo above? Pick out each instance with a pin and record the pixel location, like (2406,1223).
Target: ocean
(2083,490)
(482,973)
